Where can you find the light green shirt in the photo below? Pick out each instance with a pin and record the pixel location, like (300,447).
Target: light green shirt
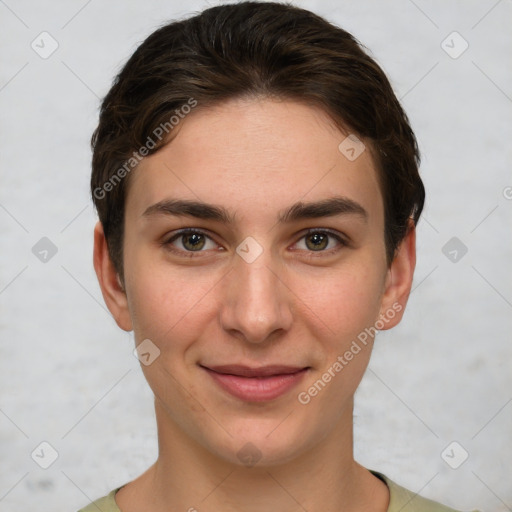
(400,500)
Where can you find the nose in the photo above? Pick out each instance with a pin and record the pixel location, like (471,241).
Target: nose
(256,304)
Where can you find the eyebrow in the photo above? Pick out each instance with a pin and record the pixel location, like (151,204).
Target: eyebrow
(324,208)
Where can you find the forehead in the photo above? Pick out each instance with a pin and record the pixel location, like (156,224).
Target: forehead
(256,156)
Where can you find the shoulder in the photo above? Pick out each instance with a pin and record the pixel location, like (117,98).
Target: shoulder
(105,504)
(401,499)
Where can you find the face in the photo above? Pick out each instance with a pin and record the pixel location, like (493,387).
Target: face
(265,307)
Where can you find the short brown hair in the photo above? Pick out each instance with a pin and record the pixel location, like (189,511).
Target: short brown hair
(252,49)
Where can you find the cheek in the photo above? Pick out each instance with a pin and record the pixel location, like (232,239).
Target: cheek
(346,307)
(342,302)
(169,307)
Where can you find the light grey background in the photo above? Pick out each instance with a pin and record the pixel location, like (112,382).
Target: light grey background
(68,375)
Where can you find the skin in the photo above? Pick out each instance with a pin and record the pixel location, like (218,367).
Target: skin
(292,305)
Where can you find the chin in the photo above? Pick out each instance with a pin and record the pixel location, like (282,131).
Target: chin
(258,445)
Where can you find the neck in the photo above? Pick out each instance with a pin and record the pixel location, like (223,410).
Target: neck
(189,477)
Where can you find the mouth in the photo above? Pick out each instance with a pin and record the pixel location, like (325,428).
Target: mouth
(256,384)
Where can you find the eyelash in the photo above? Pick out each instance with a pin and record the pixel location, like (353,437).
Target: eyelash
(192,254)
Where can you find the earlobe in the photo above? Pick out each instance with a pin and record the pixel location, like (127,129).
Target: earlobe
(399,280)
(112,289)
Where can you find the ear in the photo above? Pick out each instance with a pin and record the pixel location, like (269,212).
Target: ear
(398,281)
(110,284)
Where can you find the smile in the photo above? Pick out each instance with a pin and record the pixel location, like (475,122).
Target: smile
(256,384)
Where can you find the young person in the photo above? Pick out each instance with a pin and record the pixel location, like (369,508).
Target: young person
(257,186)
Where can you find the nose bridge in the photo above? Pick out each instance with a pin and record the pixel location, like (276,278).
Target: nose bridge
(255,304)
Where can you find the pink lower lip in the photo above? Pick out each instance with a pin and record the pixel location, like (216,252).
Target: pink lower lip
(257,389)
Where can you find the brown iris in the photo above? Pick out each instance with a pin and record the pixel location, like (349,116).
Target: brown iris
(193,241)
(318,241)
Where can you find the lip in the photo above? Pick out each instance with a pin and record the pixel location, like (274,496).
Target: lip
(256,384)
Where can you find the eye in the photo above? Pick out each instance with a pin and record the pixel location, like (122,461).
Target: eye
(317,240)
(190,240)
